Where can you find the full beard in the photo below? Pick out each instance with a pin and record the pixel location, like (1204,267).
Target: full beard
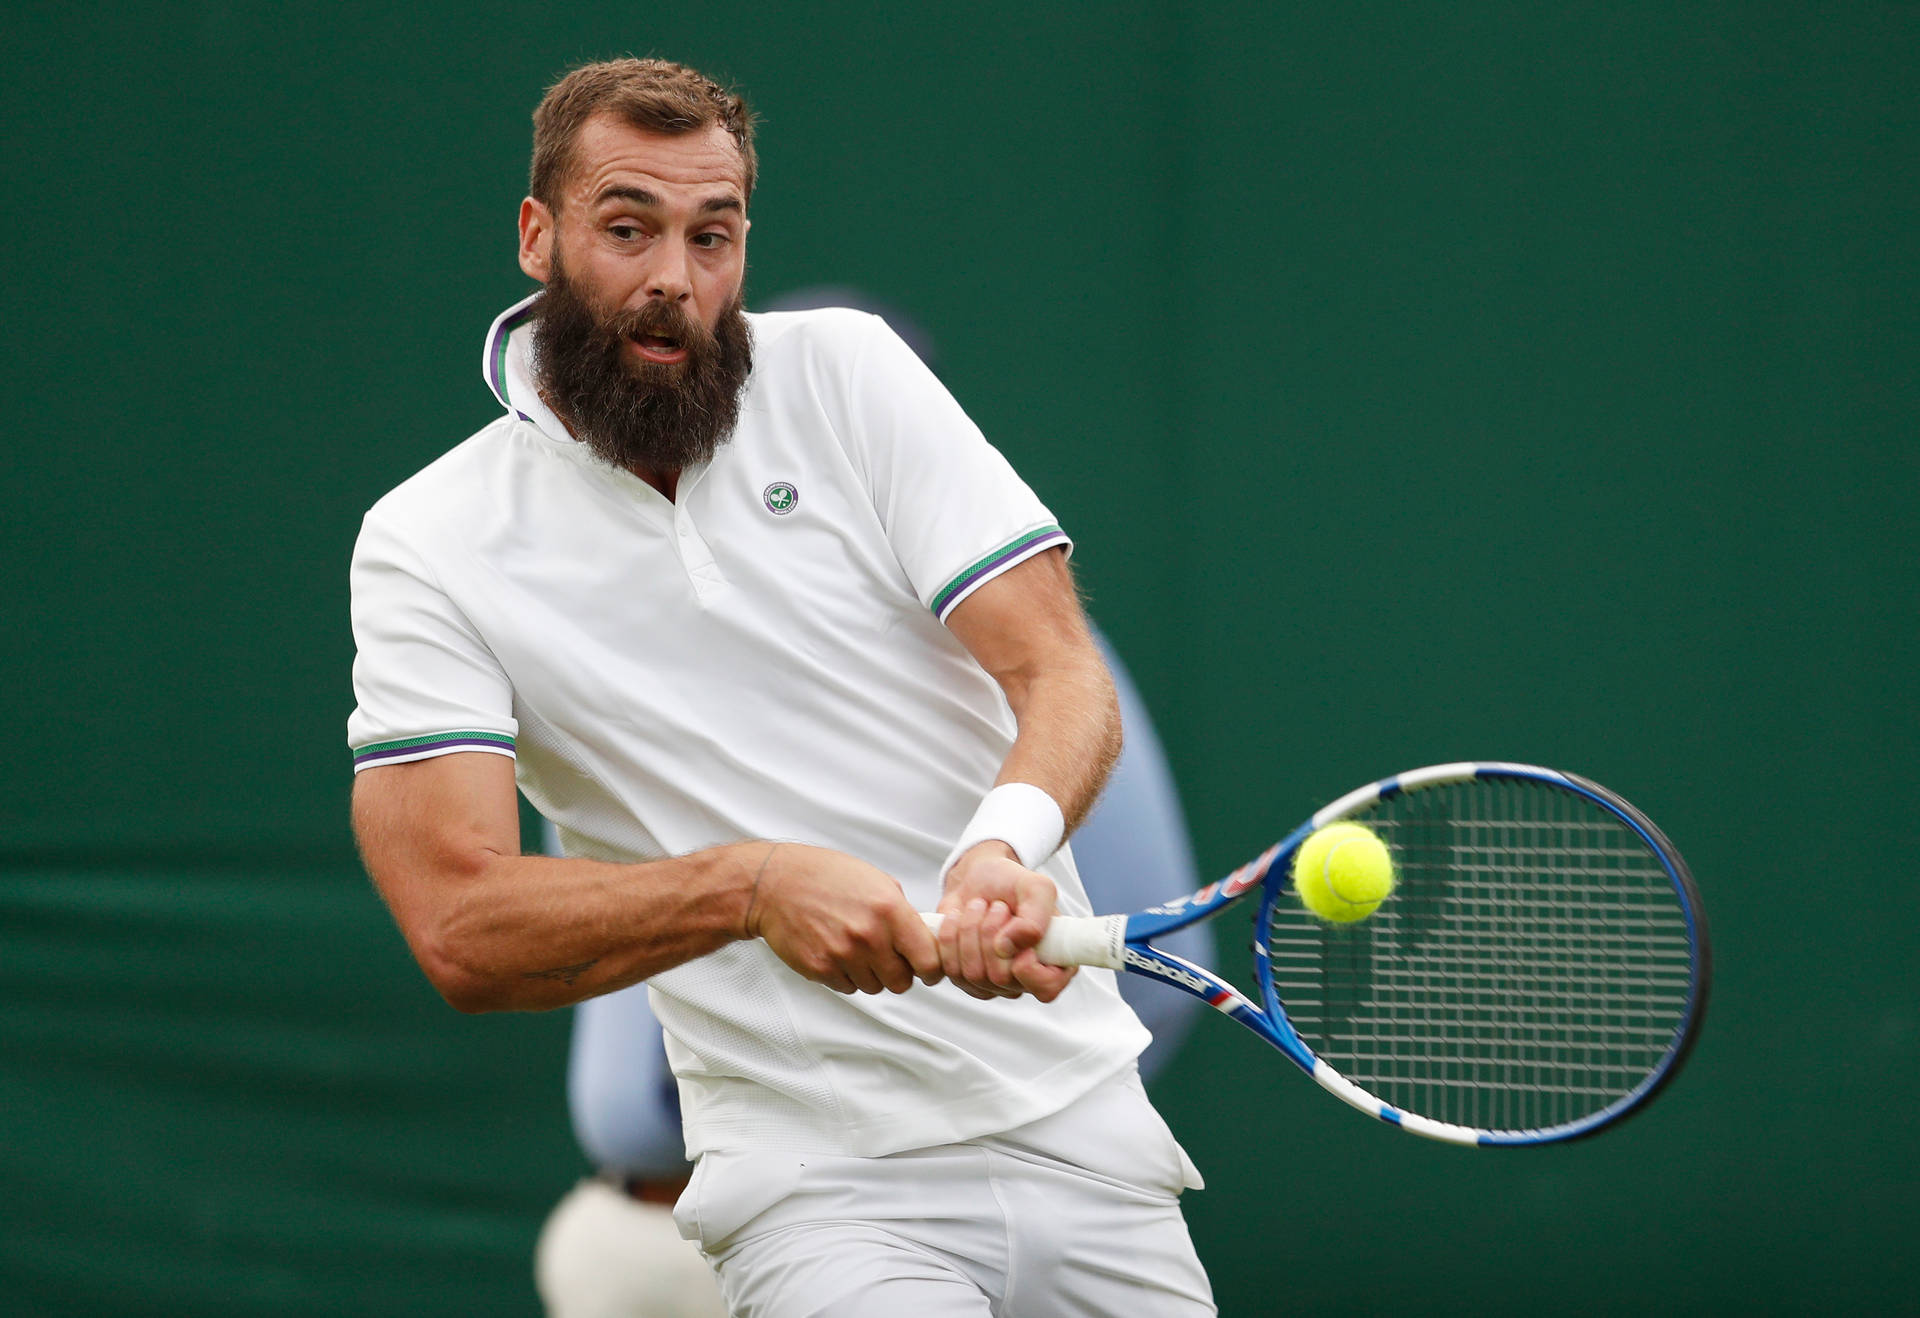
(640,415)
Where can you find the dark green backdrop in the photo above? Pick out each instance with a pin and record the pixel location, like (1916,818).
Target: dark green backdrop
(1421,382)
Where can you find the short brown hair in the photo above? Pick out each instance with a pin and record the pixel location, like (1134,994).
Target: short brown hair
(655,94)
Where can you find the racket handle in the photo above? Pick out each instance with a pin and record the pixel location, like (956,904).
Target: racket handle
(1075,940)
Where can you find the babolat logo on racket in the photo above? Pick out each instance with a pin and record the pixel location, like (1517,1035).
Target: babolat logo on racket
(1185,978)
(781,498)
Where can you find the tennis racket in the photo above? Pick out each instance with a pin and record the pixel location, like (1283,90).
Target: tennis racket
(1539,972)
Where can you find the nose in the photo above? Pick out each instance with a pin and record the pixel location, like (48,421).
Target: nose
(670,280)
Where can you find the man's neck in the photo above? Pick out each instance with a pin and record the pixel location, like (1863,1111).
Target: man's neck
(665,479)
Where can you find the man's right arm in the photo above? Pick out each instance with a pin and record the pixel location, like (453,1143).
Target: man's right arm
(495,930)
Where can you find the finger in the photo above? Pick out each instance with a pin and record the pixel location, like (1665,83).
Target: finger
(972,961)
(865,979)
(895,973)
(995,949)
(1035,976)
(1035,900)
(916,943)
(1017,934)
(948,939)
(989,991)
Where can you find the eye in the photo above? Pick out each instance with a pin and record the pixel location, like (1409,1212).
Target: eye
(710,240)
(624,231)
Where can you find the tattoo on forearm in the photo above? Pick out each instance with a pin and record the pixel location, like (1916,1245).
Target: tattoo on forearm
(565,974)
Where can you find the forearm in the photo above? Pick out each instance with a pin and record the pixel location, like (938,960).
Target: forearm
(498,931)
(529,933)
(1069,734)
(1025,627)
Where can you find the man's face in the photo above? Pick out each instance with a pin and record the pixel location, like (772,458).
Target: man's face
(640,344)
(644,217)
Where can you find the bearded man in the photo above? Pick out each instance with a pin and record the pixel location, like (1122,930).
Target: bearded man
(788,653)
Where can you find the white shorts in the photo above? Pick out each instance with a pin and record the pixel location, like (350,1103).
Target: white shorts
(1074,1216)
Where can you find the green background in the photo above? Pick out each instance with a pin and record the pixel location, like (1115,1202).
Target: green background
(1421,382)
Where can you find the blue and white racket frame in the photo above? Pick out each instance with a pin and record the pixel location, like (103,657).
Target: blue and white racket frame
(1124,942)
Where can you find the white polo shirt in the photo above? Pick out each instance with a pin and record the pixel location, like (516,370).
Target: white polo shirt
(762,657)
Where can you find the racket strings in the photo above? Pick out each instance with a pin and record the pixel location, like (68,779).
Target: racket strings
(1533,964)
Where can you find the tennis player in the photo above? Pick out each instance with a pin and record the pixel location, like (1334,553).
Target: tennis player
(609,1248)
(787,651)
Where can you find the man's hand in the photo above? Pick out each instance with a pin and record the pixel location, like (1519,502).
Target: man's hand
(996,911)
(839,921)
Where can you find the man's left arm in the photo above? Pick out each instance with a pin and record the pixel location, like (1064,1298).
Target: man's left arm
(1026,628)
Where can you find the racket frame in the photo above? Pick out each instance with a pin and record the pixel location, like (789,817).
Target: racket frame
(1270,872)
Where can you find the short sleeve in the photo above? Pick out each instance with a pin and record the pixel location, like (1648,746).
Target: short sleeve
(955,511)
(424,681)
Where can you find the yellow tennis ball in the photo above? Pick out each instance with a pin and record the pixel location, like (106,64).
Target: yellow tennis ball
(1343,872)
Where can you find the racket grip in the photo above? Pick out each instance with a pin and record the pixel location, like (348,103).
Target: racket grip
(1075,940)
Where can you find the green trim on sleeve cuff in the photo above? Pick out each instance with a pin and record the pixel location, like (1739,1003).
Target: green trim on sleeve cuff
(1021,546)
(434,743)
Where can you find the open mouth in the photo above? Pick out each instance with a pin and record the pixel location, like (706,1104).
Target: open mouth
(659,348)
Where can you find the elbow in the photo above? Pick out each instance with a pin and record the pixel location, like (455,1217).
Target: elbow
(453,941)
(458,981)
(468,995)
(462,990)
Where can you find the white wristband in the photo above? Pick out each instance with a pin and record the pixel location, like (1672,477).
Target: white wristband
(1018,814)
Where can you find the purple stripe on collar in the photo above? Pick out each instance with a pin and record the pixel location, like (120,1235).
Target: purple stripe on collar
(493,361)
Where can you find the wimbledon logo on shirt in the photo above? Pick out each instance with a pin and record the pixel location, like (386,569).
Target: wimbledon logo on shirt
(781,498)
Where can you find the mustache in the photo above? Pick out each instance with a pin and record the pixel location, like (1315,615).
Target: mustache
(662,320)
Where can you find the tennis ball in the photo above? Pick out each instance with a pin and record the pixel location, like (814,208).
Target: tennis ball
(1343,872)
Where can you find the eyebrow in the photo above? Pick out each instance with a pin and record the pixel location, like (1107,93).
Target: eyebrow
(641,197)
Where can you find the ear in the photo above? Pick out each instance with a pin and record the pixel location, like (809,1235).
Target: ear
(536,239)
